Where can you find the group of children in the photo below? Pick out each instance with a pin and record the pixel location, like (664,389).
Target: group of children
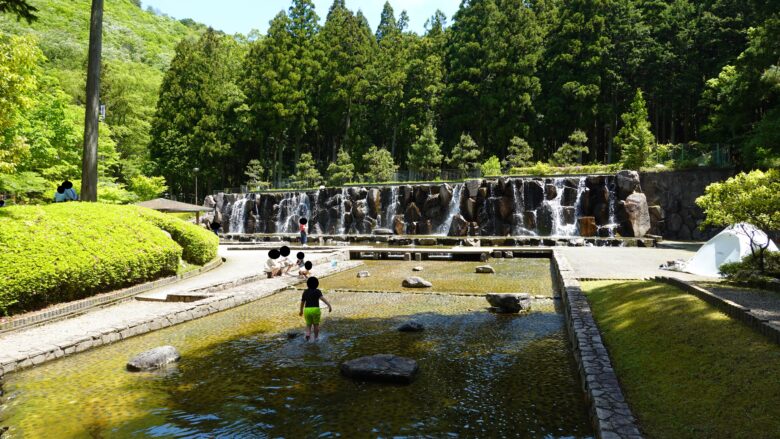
(279,262)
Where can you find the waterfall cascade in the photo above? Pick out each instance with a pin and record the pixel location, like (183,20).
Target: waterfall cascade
(506,206)
(392,208)
(452,210)
(238,216)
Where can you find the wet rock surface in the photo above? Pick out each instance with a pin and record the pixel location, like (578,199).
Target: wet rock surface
(382,368)
(411,326)
(510,303)
(416,282)
(153,359)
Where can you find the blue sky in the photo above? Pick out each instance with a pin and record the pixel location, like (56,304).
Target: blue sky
(233,16)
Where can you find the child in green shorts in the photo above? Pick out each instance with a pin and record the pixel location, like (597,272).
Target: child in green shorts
(310,307)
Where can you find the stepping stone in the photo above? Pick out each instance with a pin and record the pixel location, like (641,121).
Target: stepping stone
(153,359)
(382,368)
(416,282)
(486,269)
(411,326)
(509,303)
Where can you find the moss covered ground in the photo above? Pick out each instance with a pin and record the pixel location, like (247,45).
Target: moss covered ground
(688,370)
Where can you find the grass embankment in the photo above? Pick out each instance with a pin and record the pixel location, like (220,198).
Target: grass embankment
(688,370)
(68,251)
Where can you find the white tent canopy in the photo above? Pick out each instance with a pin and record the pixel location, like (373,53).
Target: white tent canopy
(730,245)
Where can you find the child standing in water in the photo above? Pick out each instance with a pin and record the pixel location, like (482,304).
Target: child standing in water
(310,307)
(302,229)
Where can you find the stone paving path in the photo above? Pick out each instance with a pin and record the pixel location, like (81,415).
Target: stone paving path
(35,345)
(626,262)
(764,304)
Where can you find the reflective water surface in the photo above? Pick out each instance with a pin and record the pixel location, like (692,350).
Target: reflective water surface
(481,375)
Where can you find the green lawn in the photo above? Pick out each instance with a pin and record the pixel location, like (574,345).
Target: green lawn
(688,371)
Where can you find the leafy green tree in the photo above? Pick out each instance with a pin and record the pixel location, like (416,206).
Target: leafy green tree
(306,173)
(147,188)
(491,167)
(379,165)
(519,154)
(572,151)
(425,154)
(465,155)
(752,198)
(342,170)
(19,57)
(635,139)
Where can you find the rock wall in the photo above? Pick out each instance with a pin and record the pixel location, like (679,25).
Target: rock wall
(500,207)
(672,201)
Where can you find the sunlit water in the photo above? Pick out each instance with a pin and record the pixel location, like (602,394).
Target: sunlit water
(481,375)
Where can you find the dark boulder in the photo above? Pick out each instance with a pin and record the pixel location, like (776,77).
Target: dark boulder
(545,219)
(550,191)
(533,194)
(381,367)
(459,226)
(374,202)
(509,303)
(569,197)
(399,225)
(412,213)
(411,326)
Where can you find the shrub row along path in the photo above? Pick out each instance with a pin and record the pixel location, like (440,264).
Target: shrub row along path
(239,265)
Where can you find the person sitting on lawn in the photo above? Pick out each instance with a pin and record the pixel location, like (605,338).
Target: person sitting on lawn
(59,195)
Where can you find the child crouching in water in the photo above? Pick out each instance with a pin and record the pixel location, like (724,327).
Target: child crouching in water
(303,272)
(310,307)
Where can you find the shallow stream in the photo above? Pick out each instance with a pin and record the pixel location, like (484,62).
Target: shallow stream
(481,375)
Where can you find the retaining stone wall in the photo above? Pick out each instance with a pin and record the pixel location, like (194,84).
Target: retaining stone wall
(675,193)
(609,412)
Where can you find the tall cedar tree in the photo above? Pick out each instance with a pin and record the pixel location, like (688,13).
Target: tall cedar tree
(198,114)
(635,139)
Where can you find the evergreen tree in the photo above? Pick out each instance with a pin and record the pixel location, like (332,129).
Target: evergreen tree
(519,154)
(306,173)
(635,139)
(379,165)
(425,154)
(342,170)
(196,121)
(571,152)
(465,155)
(347,47)
(254,171)
(19,8)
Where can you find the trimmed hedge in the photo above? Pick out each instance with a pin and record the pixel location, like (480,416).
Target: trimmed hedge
(200,245)
(68,251)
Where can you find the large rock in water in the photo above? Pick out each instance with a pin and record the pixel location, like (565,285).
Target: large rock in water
(153,359)
(486,269)
(399,225)
(381,367)
(638,215)
(416,282)
(510,302)
(411,326)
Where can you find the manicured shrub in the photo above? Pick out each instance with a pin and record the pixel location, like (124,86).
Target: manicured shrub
(68,251)
(199,245)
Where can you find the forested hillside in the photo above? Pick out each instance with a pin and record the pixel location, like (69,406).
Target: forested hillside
(45,62)
(567,81)
(502,85)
